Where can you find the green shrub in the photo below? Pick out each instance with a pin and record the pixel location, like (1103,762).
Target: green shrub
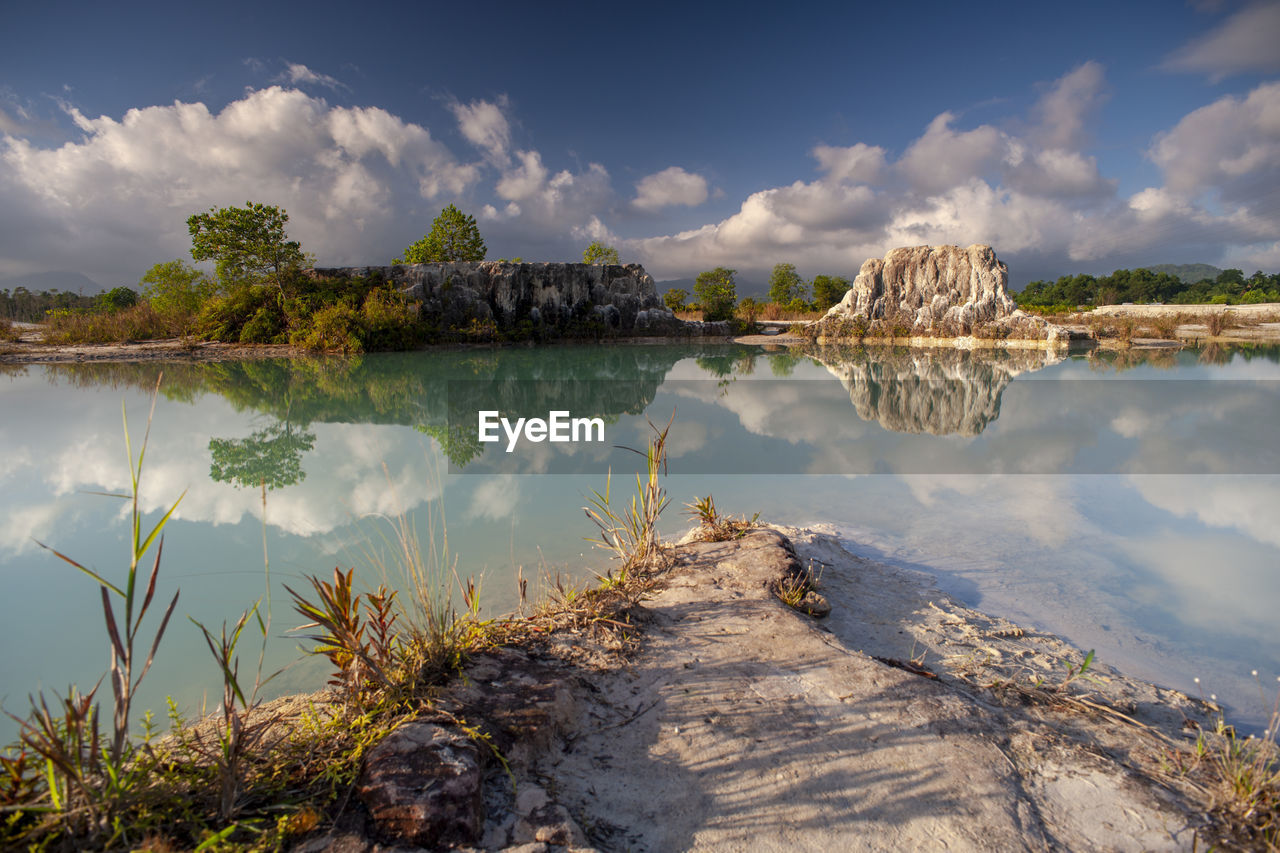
(223,318)
(264,327)
(334,328)
(388,322)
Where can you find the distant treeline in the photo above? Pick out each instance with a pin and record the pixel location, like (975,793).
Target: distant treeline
(1230,287)
(32,306)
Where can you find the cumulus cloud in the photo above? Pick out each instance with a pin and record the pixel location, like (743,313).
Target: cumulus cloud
(1231,146)
(943,158)
(860,163)
(526,180)
(1244,42)
(672,186)
(485,125)
(116,200)
(298,74)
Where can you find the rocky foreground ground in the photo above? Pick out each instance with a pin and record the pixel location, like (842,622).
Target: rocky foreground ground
(726,720)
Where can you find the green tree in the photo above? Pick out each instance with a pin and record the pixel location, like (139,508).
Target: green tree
(785,285)
(173,287)
(454,236)
(717,293)
(675,298)
(599,253)
(828,290)
(117,299)
(247,244)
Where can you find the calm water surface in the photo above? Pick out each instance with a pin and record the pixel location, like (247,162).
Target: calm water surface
(1128,503)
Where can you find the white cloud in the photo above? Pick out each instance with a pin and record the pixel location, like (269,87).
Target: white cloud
(1246,41)
(298,74)
(944,158)
(526,180)
(671,186)
(860,163)
(485,126)
(116,201)
(1231,146)
(1065,110)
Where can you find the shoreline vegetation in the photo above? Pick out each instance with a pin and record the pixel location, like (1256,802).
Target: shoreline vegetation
(263,295)
(701,658)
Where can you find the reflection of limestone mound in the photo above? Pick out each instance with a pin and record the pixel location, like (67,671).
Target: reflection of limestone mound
(943,392)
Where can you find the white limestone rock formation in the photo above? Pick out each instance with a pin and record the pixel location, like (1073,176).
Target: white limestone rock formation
(934,291)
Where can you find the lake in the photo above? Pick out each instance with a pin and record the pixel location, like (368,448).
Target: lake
(1126,501)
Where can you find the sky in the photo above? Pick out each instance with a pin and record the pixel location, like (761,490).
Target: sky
(1080,137)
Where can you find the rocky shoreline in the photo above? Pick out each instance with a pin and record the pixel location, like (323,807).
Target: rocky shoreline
(708,715)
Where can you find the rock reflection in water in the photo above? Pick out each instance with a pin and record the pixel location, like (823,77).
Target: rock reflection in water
(936,391)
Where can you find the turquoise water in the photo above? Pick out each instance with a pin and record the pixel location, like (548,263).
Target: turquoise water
(1127,503)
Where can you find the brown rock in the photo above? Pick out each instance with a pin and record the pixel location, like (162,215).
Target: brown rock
(422,785)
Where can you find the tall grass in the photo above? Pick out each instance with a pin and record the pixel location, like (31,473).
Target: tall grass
(631,532)
(123,628)
(140,322)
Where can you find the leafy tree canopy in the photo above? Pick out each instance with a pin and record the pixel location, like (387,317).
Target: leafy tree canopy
(675,298)
(785,285)
(717,293)
(174,287)
(248,244)
(828,290)
(118,299)
(599,253)
(454,236)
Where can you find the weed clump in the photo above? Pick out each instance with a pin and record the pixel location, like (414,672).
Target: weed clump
(714,527)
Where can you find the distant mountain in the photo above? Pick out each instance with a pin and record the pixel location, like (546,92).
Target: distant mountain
(1187,273)
(72,282)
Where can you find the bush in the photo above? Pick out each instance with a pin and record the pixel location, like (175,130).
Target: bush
(264,327)
(223,318)
(388,322)
(8,332)
(334,328)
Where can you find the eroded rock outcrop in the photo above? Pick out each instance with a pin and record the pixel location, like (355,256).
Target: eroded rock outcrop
(938,292)
(558,299)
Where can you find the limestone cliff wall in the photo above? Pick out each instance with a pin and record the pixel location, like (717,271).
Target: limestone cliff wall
(560,298)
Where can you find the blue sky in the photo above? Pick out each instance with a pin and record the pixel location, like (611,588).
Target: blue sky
(1072,138)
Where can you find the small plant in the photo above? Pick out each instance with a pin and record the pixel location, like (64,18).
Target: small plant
(1216,321)
(798,590)
(713,527)
(236,736)
(361,661)
(1244,776)
(1078,671)
(631,533)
